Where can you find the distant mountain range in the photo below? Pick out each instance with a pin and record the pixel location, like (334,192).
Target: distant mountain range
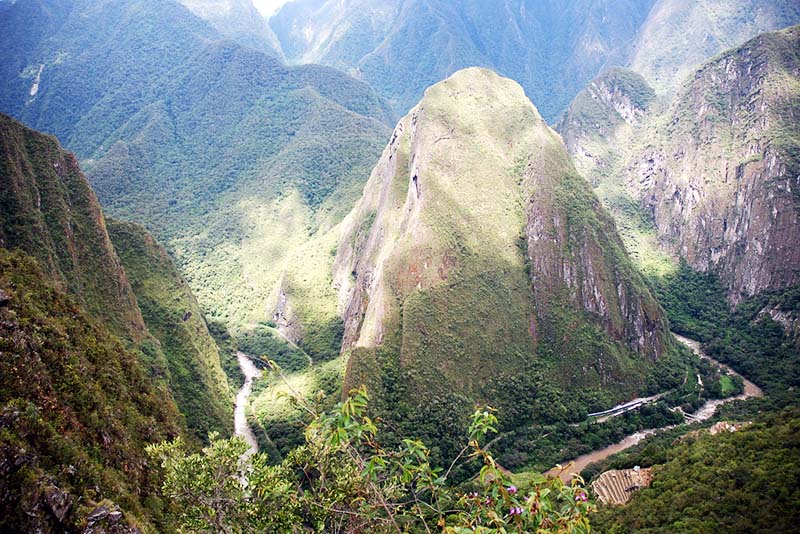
(551,47)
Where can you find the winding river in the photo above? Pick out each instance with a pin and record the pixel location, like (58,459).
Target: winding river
(241,428)
(704,412)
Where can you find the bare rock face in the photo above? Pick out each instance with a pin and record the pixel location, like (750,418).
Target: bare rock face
(715,177)
(478,252)
(722,177)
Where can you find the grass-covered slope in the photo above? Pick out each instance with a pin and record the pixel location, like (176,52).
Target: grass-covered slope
(478,266)
(76,410)
(173,317)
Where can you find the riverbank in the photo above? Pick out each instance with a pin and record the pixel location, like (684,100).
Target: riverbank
(703,413)
(241,427)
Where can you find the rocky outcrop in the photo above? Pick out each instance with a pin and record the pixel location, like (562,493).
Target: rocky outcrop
(477,251)
(600,116)
(715,177)
(721,176)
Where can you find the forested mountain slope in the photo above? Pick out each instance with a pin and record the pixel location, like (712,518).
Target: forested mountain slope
(550,47)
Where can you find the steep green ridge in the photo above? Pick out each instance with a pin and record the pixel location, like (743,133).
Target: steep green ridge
(238,164)
(50,212)
(77,410)
(730,482)
(48,209)
(478,266)
(173,316)
(552,48)
(679,35)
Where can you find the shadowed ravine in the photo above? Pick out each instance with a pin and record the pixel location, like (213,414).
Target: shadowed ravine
(241,427)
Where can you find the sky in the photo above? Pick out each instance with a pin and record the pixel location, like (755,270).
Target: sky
(268,7)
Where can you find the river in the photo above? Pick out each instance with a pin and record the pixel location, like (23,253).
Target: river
(241,428)
(704,412)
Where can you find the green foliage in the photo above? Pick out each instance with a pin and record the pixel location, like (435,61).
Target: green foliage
(76,409)
(744,337)
(343,480)
(172,315)
(265,342)
(744,481)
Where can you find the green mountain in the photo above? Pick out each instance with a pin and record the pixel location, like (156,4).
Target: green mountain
(479,267)
(50,212)
(80,387)
(552,48)
(172,315)
(289,152)
(679,35)
(237,20)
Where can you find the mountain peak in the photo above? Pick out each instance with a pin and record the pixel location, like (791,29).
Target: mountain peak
(478,251)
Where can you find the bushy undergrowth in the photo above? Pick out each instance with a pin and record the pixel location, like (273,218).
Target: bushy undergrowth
(343,480)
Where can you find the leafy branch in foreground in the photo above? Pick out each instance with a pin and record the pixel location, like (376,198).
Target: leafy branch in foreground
(342,480)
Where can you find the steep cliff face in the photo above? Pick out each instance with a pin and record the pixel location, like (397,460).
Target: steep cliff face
(48,209)
(477,256)
(721,176)
(173,317)
(613,103)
